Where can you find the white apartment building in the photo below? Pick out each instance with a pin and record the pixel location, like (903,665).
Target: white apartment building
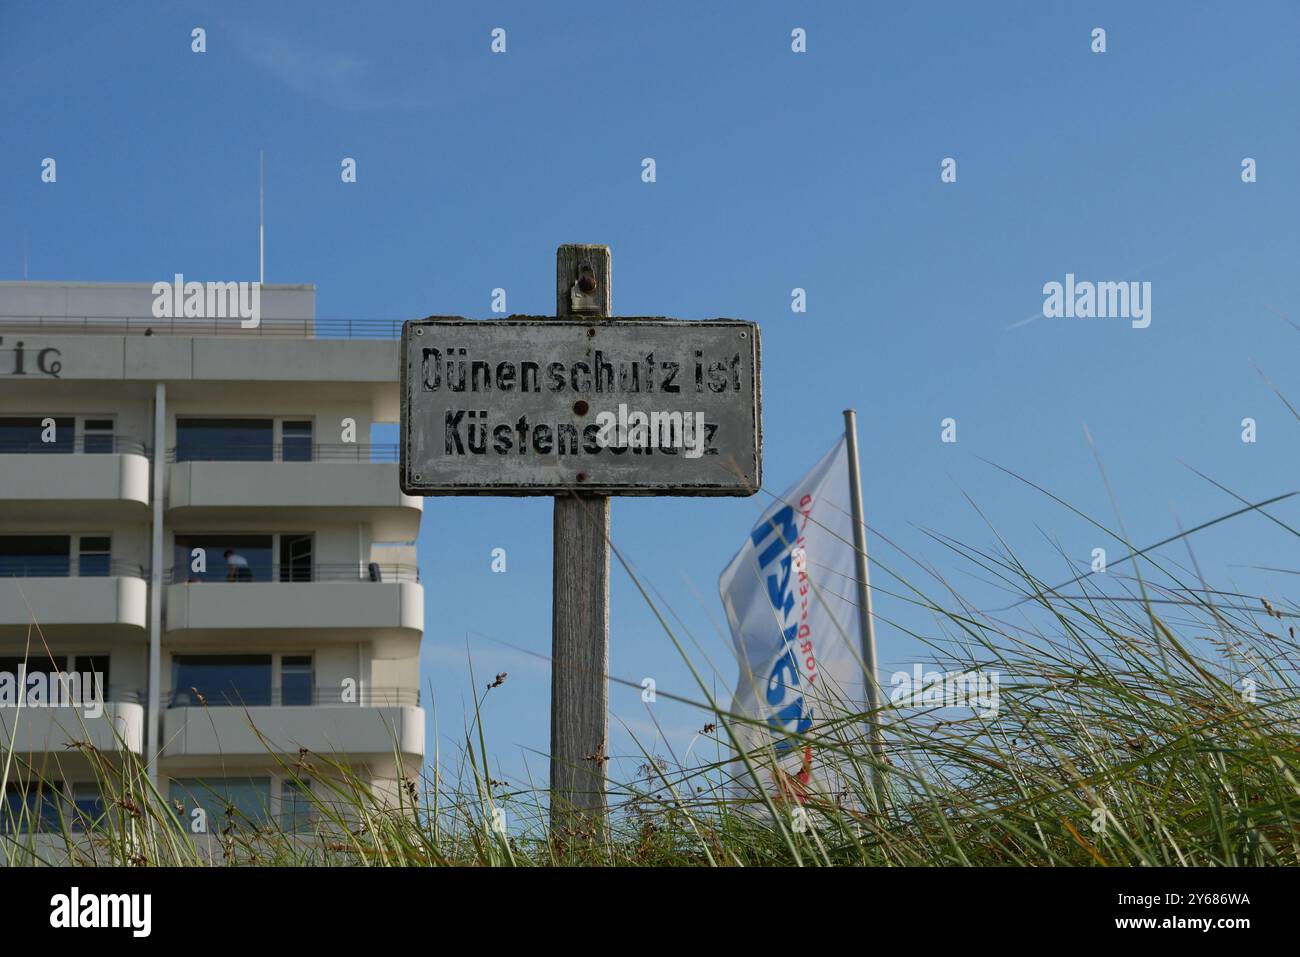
(194,512)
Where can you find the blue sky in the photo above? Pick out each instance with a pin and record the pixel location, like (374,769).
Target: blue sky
(775,170)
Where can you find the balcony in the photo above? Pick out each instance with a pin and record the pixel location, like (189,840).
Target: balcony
(62,605)
(99,476)
(383,603)
(386,719)
(307,480)
(34,730)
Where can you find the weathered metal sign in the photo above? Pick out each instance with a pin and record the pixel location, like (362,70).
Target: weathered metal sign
(527,406)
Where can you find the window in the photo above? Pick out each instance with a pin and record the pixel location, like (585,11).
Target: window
(45,663)
(233,558)
(25,433)
(97,435)
(224,440)
(295,558)
(241,801)
(30,807)
(295,806)
(80,685)
(94,556)
(94,665)
(36,661)
(40,556)
(297,683)
(295,441)
(221,680)
(87,811)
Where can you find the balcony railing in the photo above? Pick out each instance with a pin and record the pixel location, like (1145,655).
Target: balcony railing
(60,566)
(183,574)
(114,694)
(303,328)
(279,698)
(93,444)
(286,452)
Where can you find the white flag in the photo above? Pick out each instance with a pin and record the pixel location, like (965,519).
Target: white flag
(791,600)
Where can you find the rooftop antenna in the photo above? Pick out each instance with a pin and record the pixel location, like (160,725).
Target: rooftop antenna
(261,230)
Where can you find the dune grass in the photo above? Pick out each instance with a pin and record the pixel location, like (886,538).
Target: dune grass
(1142,719)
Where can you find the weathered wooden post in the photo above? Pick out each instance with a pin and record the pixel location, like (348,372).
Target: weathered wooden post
(580,597)
(580,406)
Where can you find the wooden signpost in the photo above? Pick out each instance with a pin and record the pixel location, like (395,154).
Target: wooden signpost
(580,407)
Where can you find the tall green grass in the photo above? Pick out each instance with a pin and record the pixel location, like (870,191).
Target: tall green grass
(1143,719)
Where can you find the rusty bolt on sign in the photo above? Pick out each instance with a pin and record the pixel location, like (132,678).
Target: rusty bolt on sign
(582,296)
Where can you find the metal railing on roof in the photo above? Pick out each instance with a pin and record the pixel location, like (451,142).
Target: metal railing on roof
(92,444)
(300,328)
(60,566)
(285,452)
(113,695)
(292,698)
(183,573)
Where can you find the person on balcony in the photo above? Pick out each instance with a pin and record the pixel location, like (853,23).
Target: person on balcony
(237,569)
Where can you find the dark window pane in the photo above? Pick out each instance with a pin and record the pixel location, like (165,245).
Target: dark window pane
(87,811)
(23,434)
(94,560)
(295,806)
(295,558)
(221,680)
(32,807)
(224,440)
(97,436)
(243,802)
(296,441)
(296,680)
(41,662)
(296,690)
(93,566)
(94,665)
(44,556)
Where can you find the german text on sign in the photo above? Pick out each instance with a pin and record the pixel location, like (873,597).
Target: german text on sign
(617,406)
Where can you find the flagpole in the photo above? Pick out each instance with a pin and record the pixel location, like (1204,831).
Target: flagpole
(865,618)
(261,231)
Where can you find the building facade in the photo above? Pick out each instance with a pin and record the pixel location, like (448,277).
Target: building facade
(195,521)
